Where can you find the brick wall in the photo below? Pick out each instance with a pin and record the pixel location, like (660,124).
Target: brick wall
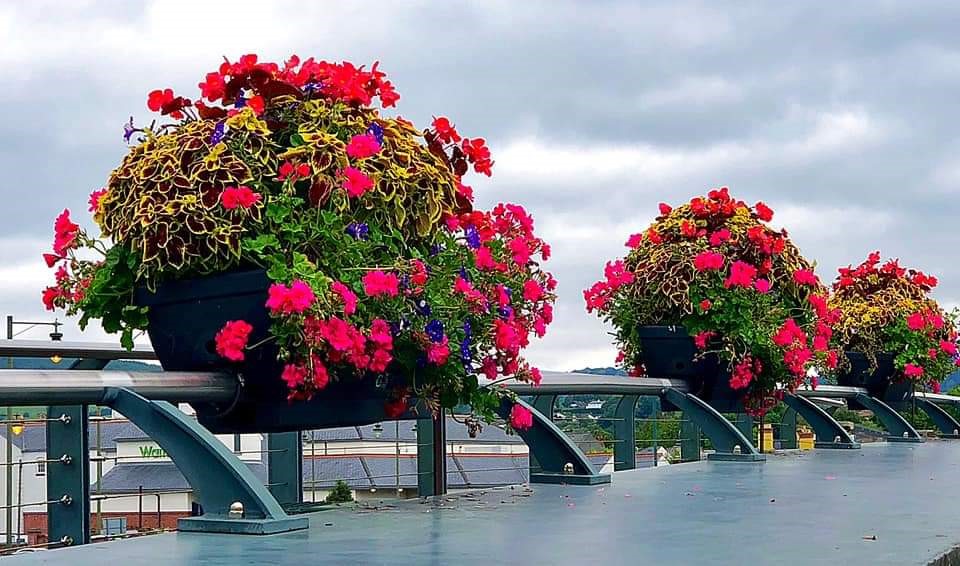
(35,524)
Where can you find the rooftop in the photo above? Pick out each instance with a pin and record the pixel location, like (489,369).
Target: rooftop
(883,504)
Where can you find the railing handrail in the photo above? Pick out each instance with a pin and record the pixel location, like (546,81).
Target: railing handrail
(79,350)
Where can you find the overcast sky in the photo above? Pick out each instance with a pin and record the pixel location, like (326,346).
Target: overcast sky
(841,116)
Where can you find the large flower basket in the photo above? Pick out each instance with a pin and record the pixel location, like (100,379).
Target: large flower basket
(881,381)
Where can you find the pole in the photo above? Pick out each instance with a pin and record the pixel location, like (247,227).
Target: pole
(439,454)
(9,454)
(656,434)
(313,466)
(760,448)
(140,510)
(397,461)
(99,478)
(20,497)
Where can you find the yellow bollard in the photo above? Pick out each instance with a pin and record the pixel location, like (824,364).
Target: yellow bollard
(805,440)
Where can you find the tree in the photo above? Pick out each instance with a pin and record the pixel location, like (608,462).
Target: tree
(340,493)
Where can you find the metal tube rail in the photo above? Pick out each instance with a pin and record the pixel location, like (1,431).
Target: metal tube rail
(831,392)
(558,383)
(90,387)
(83,350)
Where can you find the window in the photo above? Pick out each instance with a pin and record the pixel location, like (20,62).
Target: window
(41,466)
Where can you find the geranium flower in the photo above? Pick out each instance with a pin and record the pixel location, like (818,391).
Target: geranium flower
(719,237)
(948,347)
(520,417)
(50,296)
(239,197)
(532,291)
(65,234)
(804,277)
(381,335)
(764,212)
(617,274)
(376,283)
(52,259)
(348,297)
(362,146)
(708,261)
(439,352)
(762,286)
(289,171)
(395,409)
(295,299)
(321,377)
(912,371)
(703,338)
(232,339)
(355,181)
(293,375)
(446,132)
(916,321)
(742,274)
(634,241)
(665,208)
(95,198)
(705,305)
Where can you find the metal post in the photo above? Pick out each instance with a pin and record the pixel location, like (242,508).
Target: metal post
(313,466)
(99,525)
(440,454)
(656,433)
(760,448)
(397,462)
(285,466)
(625,434)
(9,451)
(690,440)
(68,481)
(140,509)
(788,430)
(425,451)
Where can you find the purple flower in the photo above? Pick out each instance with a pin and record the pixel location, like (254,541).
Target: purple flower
(434,330)
(506,312)
(423,307)
(376,130)
(473,237)
(435,250)
(464,274)
(465,353)
(128,130)
(218,132)
(241,100)
(359,231)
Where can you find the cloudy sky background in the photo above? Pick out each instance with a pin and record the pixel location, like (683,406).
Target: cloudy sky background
(842,117)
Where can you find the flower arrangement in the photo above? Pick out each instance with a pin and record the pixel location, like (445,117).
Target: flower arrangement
(888,309)
(739,288)
(379,262)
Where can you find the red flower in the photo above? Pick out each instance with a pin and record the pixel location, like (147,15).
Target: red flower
(356,182)
(51,259)
(688,229)
(295,299)
(294,375)
(212,88)
(238,197)
(804,277)
(438,352)
(256,104)
(665,208)
(763,212)
(703,338)
(446,132)
(532,291)
(65,234)
(94,201)
(157,98)
(232,339)
(520,417)
(165,102)
(935,386)
(321,377)
(617,274)
(376,283)
(347,296)
(396,408)
(634,241)
(293,172)
(948,347)
(762,286)
(363,146)
(916,321)
(912,371)
(50,295)
(419,276)
(742,274)
(708,261)
(653,236)
(705,305)
(719,237)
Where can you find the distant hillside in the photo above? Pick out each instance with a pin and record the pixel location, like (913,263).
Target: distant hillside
(601,371)
(45,363)
(952,381)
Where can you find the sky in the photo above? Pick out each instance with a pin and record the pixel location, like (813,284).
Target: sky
(840,116)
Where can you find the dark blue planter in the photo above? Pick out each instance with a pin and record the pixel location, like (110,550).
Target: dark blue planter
(879,383)
(185,316)
(669,352)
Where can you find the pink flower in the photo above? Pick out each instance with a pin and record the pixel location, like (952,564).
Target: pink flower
(741,275)
(535,376)
(820,344)
(356,182)
(532,291)
(762,286)
(912,371)
(377,283)
(419,276)
(520,417)
(347,296)
(703,338)
(484,259)
(935,386)
(95,198)
(294,299)
(634,241)
(506,336)
(362,146)
(948,347)
(707,261)
(789,333)
(719,237)
(321,377)
(617,274)
(915,321)
(380,334)
(804,277)
(64,234)
(597,296)
(238,197)
(764,212)
(438,352)
(339,334)
(743,374)
(380,361)
(232,339)
(489,368)
(520,250)
(293,375)
(814,382)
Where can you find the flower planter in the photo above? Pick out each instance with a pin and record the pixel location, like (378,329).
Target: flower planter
(879,383)
(670,353)
(185,316)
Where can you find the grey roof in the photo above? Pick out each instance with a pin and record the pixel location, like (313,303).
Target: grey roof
(329,469)
(34,436)
(383,470)
(486,471)
(155,476)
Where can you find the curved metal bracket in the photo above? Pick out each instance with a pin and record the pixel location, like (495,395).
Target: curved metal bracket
(830,433)
(625,434)
(730,443)
(898,428)
(949,427)
(218,478)
(545,404)
(553,450)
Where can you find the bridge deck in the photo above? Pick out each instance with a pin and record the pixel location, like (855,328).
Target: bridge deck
(802,508)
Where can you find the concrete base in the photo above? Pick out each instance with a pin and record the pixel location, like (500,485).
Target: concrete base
(729,457)
(569,479)
(908,439)
(222,525)
(836,445)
